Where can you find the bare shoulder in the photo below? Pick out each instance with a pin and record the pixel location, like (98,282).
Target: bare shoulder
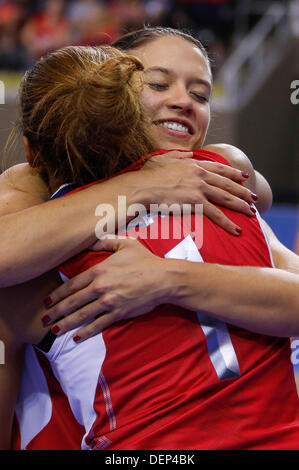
(233,155)
(256,182)
(21,187)
(21,177)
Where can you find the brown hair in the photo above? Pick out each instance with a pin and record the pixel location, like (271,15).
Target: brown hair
(81,112)
(138,38)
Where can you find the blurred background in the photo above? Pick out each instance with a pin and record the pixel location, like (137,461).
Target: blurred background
(254,46)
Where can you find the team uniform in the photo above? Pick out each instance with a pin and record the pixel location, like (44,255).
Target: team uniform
(43,417)
(176,379)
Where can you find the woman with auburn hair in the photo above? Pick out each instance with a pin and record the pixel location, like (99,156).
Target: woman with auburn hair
(162,182)
(37,237)
(172,410)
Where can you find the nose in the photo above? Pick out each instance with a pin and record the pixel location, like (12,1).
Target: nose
(180,99)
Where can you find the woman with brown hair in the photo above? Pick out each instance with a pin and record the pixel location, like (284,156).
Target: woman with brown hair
(37,237)
(37,133)
(162,181)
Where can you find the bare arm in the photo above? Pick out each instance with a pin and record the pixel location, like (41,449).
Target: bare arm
(36,239)
(10,373)
(262,300)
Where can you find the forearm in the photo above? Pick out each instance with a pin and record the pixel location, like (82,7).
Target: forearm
(262,300)
(133,281)
(36,239)
(10,375)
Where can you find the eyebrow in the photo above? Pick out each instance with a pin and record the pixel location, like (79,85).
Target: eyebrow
(168,72)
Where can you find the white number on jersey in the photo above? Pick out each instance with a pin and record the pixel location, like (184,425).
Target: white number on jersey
(220,348)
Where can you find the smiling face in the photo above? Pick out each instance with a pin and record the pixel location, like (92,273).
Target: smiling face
(176,93)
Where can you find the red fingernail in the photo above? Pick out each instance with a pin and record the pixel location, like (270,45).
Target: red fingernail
(48,302)
(76,338)
(55,329)
(254,196)
(253,210)
(238,230)
(46,319)
(245,175)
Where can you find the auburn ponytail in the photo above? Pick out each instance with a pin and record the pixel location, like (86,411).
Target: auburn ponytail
(81,111)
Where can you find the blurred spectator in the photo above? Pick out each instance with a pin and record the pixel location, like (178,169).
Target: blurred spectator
(11,53)
(130,14)
(211,21)
(91,23)
(156,11)
(47,30)
(29,29)
(212,15)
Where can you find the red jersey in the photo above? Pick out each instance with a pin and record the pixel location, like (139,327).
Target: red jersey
(176,379)
(43,419)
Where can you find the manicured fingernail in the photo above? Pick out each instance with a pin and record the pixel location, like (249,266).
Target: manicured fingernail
(253,210)
(48,302)
(254,196)
(46,319)
(55,329)
(238,230)
(76,338)
(245,175)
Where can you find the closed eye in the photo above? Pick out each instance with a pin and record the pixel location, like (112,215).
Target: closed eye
(199,97)
(158,86)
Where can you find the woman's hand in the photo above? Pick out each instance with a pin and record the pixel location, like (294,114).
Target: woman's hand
(177,178)
(129,283)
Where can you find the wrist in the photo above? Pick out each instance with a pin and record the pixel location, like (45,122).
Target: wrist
(175,281)
(133,187)
(187,288)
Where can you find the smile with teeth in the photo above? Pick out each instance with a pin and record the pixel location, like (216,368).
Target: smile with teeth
(175,126)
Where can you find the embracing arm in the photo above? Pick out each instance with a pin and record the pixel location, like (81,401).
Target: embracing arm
(262,300)
(36,239)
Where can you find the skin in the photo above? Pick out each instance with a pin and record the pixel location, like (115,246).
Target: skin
(178,91)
